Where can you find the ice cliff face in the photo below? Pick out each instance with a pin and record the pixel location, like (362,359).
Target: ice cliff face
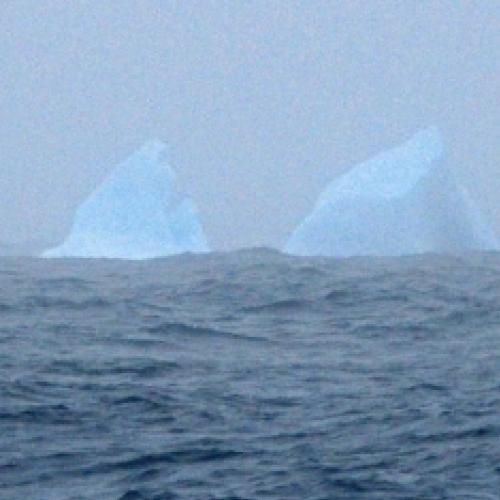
(402,201)
(136,213)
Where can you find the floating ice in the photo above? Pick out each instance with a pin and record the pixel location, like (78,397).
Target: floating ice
(136,213)
(402,201)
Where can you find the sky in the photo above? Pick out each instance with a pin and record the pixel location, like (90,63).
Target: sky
(262,103)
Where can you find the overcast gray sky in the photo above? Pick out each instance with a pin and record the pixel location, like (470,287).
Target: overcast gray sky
(262,102)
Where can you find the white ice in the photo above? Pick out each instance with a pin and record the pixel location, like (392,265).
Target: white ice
(403,201)
(136,213)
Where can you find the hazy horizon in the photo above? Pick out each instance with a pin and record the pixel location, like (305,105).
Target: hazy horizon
(261,103)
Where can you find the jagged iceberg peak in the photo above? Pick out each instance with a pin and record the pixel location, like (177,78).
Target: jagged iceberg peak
(147,163)
(391,173)
(137,212)
(402,201)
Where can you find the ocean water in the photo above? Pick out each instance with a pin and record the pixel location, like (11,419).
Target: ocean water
(250,375)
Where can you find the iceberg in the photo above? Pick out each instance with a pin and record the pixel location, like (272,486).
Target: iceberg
(136,213)
(403,201)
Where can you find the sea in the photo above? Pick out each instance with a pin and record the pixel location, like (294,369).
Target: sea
(250,375)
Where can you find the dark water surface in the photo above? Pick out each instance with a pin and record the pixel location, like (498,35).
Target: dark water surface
(250,375)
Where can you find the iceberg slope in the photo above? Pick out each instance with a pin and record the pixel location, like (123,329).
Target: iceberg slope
(402,201)
(136,213)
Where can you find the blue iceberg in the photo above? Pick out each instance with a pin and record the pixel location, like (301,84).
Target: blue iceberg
(137,213)
(403,201)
